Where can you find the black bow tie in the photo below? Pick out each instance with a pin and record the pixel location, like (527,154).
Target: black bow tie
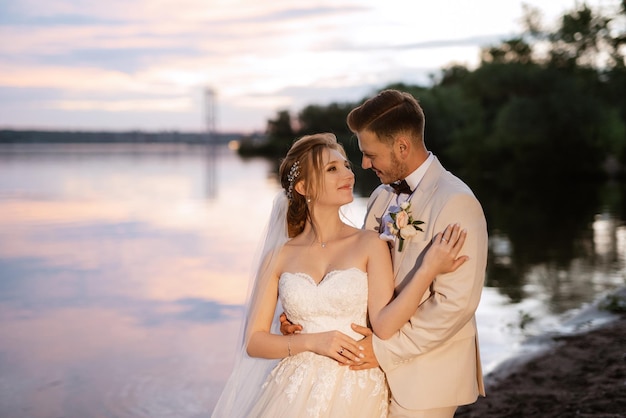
(401,187)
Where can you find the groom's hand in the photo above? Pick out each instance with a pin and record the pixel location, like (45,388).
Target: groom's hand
(287,327)
(368,359)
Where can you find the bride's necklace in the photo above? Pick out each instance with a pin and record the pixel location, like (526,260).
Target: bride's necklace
(323,244)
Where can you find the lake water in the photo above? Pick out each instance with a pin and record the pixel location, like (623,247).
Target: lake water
(123,269)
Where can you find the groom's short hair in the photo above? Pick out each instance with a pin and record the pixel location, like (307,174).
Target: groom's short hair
(389,113)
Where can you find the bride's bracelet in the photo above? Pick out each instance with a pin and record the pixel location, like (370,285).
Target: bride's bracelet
(289,344)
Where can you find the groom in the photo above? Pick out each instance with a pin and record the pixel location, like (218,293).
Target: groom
(433,363)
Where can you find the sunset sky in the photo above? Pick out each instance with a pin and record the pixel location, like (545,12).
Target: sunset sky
(146,64)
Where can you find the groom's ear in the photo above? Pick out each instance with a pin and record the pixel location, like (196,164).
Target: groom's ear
(402,145)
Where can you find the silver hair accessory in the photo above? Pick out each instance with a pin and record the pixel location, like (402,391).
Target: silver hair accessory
(294,172)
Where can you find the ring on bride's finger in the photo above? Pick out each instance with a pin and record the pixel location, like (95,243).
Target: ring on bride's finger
(341,351)
(443,239)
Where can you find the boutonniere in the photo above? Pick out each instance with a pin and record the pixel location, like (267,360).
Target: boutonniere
(400,224)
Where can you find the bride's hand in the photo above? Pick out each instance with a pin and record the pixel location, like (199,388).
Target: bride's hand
(336,345)
(441,257)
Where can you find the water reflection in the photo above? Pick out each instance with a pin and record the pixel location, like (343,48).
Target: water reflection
(620,246)
(604,236)
(562,285)
(212,151)
(123,269)
(500,248)
(609,241)
(121,283)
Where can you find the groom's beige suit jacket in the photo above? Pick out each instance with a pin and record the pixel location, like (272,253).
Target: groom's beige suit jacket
(434,360)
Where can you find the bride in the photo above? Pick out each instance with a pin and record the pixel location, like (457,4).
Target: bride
(325,275)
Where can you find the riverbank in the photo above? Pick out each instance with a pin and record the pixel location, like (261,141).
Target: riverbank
(10,136)
(579,375)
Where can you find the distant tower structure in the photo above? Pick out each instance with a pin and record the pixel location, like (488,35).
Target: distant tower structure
(210,107)
(210,113)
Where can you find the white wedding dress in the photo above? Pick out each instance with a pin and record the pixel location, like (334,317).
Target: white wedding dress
(315,386)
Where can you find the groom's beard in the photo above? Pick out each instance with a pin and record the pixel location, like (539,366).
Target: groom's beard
(397,170)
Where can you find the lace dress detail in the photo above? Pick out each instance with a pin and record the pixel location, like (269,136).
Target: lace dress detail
(314,386)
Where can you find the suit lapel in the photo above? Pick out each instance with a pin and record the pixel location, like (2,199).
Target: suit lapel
(419,201)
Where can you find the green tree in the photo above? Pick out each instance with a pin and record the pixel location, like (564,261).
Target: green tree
(280,128)
(514,50)
(581,38)
(331,118)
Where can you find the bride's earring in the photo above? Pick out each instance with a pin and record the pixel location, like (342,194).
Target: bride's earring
(308,200)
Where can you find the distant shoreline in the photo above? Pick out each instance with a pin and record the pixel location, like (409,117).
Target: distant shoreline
(10,136)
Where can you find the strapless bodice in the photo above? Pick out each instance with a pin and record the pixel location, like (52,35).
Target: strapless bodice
(310,385)
(338,300)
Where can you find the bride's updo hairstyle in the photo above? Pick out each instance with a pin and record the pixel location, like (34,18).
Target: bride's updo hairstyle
(304,163)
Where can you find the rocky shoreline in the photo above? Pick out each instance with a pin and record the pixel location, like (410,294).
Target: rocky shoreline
(579,375)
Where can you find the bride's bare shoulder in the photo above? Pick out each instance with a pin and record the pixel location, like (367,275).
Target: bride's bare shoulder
(368,237)
(368,234)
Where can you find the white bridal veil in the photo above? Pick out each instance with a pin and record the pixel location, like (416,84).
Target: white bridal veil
(249,373)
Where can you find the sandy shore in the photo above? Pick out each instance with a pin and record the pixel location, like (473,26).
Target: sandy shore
(581,375)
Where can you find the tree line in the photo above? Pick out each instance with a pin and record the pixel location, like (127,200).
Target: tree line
(543,106)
